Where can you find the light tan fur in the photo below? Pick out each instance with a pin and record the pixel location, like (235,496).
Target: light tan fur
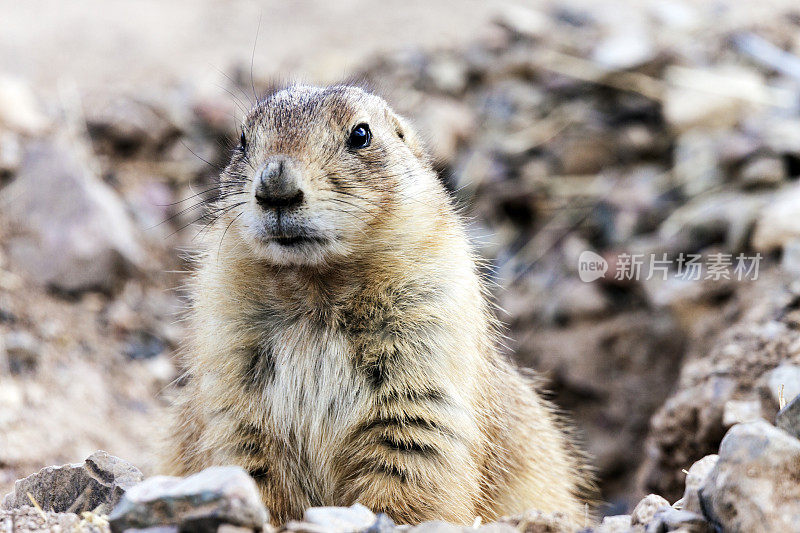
(362,368)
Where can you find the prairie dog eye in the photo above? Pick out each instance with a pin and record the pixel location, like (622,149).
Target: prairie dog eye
(360,137)
(242,142)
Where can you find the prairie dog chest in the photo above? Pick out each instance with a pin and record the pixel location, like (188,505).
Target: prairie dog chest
(310,390)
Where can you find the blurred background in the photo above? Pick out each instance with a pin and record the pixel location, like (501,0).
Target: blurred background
(641,127)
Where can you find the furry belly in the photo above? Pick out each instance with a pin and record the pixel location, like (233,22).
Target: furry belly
(310,402)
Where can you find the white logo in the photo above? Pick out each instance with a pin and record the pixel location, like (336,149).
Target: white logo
(591,266)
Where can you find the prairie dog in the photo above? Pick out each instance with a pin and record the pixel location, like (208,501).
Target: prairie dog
(342,346)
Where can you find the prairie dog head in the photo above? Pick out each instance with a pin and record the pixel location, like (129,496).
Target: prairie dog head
(315,170)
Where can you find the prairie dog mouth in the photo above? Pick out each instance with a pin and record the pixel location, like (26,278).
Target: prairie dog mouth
(297,240)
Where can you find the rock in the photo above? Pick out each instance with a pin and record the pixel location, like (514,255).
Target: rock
(697,163)
(10,153)
(200,502)
(19,110)
(741,411)
(23,352)
(778,225)
(28,519)
(436,526)
(669,519)
(694,480)
(646,509)
(534,521)
(753,487)
(449,124)
(494,527)
(731,362)
(790,258)
(227,528)
(69,230)
(788,418)
(785,379)
(615,524)
(382,524)
(726,217)
(125,127)
(624,50)
(143,345)
(765,171)
(341,519)
(99,482)
(711,97)
(583,151)
(448,74)
(523,21)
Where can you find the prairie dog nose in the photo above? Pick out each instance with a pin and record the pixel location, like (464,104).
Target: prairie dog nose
(278,184)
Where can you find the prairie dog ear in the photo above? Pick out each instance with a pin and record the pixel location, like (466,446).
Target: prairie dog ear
(407,134)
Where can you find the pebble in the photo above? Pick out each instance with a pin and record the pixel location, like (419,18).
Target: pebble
(779,224)
(200,502)
(694,480)
(19,110)
(788,418)
(646,509)
(753,487)
(740,411)
(23,352)
(341,519)
(767,171)
(97,483)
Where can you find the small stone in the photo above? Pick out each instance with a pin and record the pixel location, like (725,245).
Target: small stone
(227,528)
(297,526)
(763,172)
(711,97)
(783,380)
(669,519)
(99,482)
(624,50)
(28,519)
(341,519)
(753,486)
(495,527)
(615,524)
(788,418)
(448,75)
(790,258)
(19,110)
(741,411)
(697,163)
(143,345)
(200,502)
(646,509)
(778,224)
(583,152)
(534,521)
(10,153)
(162,529)
(523,21)
(162,368)
(23,352)
(382,524)
(436,526)
(694,480)
(709,218)
(124,127)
